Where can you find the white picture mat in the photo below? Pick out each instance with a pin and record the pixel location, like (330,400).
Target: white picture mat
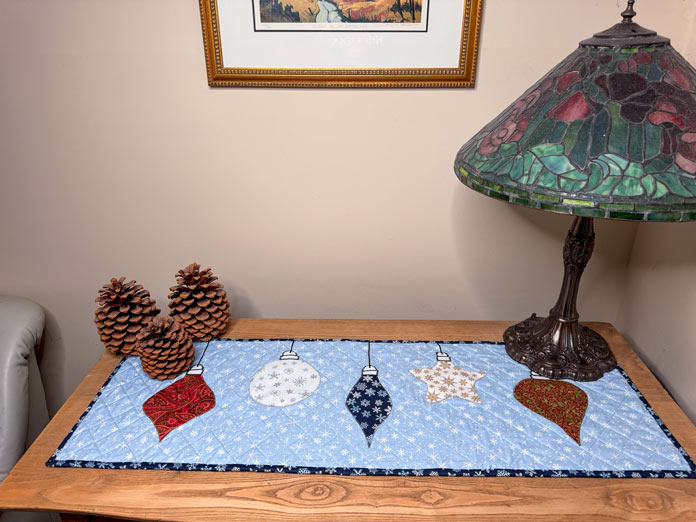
(353,26)
(242,47)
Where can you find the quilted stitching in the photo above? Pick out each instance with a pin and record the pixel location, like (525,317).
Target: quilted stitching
(618,433)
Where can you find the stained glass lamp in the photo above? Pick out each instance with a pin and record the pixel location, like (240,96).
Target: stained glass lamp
(610,132)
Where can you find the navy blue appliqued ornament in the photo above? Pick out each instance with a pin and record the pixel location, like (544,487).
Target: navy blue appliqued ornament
(368,401)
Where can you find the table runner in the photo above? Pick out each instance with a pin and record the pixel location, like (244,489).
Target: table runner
(358,407)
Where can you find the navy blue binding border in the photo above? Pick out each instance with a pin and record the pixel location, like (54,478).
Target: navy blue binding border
(433,472)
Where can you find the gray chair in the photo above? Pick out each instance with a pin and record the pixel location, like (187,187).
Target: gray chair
(23,412)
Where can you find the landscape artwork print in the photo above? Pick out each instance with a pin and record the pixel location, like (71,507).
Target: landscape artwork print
(341,15)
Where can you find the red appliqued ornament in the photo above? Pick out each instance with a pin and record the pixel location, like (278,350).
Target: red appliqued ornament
(180,402)
(561,402)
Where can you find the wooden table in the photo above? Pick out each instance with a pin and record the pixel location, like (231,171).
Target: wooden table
(205,496)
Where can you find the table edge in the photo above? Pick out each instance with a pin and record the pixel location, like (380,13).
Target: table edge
(13,494)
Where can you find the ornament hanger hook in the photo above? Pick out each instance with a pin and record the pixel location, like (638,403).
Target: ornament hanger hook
(198,368)
(369,369)
(442,356)
(290,354)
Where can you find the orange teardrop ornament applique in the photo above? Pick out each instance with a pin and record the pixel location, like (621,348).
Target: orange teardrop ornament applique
(561,402)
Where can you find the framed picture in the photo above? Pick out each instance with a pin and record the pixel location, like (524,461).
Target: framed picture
(341,43)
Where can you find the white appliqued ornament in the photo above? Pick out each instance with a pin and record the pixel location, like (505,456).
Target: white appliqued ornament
(284,382)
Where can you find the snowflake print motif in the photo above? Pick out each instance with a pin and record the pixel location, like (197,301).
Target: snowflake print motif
(369,402)
(446,380)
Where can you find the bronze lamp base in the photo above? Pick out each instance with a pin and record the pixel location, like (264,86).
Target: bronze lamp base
(557,346)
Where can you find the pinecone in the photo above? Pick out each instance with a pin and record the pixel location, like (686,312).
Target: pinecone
(164,347)
(124,308)
(199,303)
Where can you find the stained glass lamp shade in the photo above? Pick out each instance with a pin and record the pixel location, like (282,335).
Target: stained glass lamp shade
(610,132)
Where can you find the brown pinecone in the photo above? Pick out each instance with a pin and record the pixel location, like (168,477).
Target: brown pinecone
(124,308)
(164,347)
(199,303)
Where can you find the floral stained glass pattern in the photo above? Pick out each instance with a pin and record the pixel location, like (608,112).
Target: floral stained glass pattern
(607,133)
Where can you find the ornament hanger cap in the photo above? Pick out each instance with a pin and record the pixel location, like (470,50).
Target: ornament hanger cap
(444,357)
(289,354)
(369,370)
(195,370)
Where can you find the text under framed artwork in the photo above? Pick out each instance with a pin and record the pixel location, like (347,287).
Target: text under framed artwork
(341,43)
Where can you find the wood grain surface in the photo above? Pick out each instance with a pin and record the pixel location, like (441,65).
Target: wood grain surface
(206,496)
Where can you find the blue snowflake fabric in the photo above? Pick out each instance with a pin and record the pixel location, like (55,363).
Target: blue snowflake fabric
(621,435)
(369,403)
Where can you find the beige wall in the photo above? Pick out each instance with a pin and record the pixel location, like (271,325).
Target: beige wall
(117,159)
(659,312)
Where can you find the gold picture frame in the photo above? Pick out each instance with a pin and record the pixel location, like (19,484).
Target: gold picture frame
(459,74)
